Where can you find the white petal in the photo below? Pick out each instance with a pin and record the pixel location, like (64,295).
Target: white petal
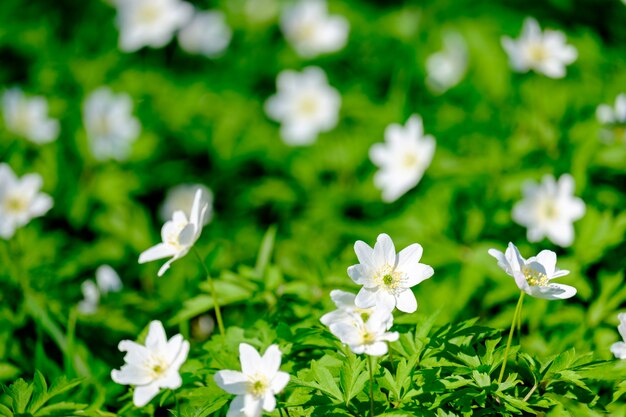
(384,251)
(419,273)
(619,350)
(144,393)
(409,257)
(553,292)
(376,349)
(171,380)
(547,259)
(364,253)
(342,299)
(249,358)
(358,274)
(159,251)
(236,408)
(269,402)
(279,382)
(406,302)
(156,338)
(385,300)
(365,298)
(270,362)
(233,382)
(131,374)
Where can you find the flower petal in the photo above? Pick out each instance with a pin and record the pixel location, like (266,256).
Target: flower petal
(406,302)
(384,251)
(279,382)
(365,298)
(144,393)
(233,382)
(249,358)
(156,338)
(270,362)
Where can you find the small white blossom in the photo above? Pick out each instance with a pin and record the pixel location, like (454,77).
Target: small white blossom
(387,277)
(28,117)
(150,22)
(91,297)
(180,198)
(152,366)
(367,336)
(549,209)
(207,33)
(534,275)
(257,384)
(544,52)
(305,105)
(107,280)
(447,67)
(402,158)
(110,125)
(347,311)
(613,119)
(619,348)
(311,31)
(20,200)
(178,235)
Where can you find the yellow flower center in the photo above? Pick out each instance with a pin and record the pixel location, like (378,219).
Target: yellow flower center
(149,14)
(368,338)
(307,105)
(258,385)
(548,210)
(15,204)
(537,52)
(535,278)
(157,366)
(409,160)
(388,278)
(305,32)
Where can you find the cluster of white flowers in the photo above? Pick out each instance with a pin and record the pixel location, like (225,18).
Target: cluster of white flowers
(107,281)
(153,23)
(20,200)
(544,52)
(613,119)
(362,321)
(27,117)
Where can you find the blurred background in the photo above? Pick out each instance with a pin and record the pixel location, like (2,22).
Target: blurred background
(284,218)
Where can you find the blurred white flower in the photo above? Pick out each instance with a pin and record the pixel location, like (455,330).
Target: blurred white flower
(178,235)
(447,67)
(549,209)
(402,158)
(347,311)
(152,366)
(534,275)
(544,52)
(311,31)
(305,105)
(28,117)
(20,200)
(369,336)
(619,348)
(257,384)
(613,119)
(180,198)
(110,125)
(387,277)
(202,327)
(107,281)
(150,22)
(207,33)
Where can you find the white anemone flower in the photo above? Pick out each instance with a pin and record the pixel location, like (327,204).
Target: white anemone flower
(367,336)
(110,125)
(347,311)
(446,68)
(178,234)
(91,297)
(387,277)
(402,159)
(150,22)
(305,105)
(549,209)
(534,275)
(27,117)
(207,33)
(107,281)
(619,348)
(181,198)
(311,31)
(544,52)
(257,384)
(20,200)
(613,119)
(152,366)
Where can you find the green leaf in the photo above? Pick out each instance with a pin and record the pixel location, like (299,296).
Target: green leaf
(352,376)
(40,393)
(20,392)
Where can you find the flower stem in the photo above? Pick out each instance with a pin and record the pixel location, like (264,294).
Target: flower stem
(216,305)
(369,363)
(518,312)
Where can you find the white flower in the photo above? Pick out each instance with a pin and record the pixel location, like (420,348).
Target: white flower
(180,198)
(311,31)
(20,200)
(152,366)
(369,336)
(28,117)
(150,22)
(549,209)
(534,275)
(305,105)
(619,348)
(613,119)
(107,281)
(347,311)
(178,235)
(546,53)
(207,33)
(110,125)
(257,383)
(447,67)
(387,278)
(402,158)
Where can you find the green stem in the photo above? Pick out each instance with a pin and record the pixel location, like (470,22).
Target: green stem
(369,363)
(216,305)
(518,311)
